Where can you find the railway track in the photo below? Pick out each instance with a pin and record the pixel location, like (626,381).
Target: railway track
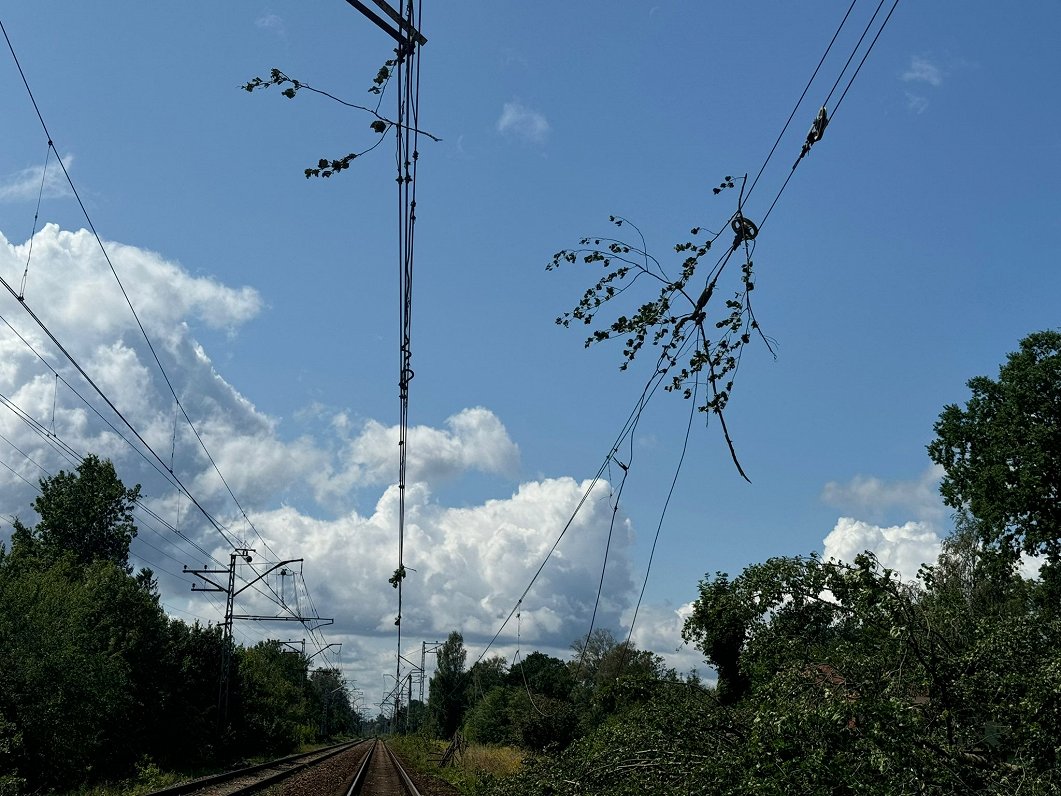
(362,768)
(380,774)
(253,779)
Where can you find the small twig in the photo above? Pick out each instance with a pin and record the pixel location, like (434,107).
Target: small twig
(278,78)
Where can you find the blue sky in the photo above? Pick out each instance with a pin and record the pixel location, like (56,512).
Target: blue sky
(915,245)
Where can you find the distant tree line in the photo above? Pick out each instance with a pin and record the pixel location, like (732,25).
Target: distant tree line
(540,702)
(97,683)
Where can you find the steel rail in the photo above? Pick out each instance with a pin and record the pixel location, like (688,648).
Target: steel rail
(359,778)
(406,781)
(296,763)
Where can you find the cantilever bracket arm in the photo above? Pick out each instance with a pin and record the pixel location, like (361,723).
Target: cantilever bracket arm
(322,649)
(202,573)
(257,618)
(401,36)
(273,567)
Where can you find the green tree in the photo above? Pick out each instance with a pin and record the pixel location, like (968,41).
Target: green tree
(330,699)
(543,674)
(528,705)
(610,675)
(87,513)
(489,721)
(273,714)
(80,639)
(485,675)
(186,732)
(719,627)
(539,722)
(74,663)
(1002,453)
(448,687)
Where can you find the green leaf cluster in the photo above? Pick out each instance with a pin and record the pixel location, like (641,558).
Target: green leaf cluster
(1001,453)
(696,340)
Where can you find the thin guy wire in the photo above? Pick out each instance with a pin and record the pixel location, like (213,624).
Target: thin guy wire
(36,215)
(662,515)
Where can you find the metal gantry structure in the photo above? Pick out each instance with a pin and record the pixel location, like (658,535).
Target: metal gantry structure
(214,582)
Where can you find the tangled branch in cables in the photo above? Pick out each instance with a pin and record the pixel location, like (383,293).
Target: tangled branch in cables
(677,319)
(380,125)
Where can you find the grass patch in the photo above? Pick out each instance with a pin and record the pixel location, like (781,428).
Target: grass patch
(471,772)
(149,777)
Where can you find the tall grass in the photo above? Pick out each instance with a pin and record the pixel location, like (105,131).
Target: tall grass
(477,766)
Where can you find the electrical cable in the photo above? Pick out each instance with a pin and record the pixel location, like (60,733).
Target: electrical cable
(75,458)
(16,473)
(799,102)
(132,309)
(21,298)
(608,543)
(128,424)
(36,215)
(407,154)
(864,57)
(858,44)
(663,365)
(650,389)
(163,470)
(833,89)
(154,564)
(659,525)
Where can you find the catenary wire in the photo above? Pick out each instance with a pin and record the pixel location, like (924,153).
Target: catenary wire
(68,452)
(140,325)
(128,301)
(873,42)
(799,102)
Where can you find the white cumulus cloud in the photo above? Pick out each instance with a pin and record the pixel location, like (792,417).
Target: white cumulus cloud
(519,121)
(903,548)
(922,70)
(26,185)
(659,628)
(898,520)
(468,565)
(873,497)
